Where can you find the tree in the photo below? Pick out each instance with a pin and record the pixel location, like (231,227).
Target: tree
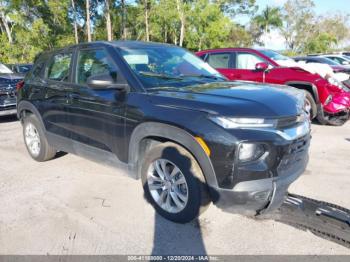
(123,22)
(146,9)
(181,12)
(237,7)
(334,24)
(320,44)
(76,37)
(208,26)
(108,20)
(269,18)
(88,21)
(299,23)
(239,36)
(4,21)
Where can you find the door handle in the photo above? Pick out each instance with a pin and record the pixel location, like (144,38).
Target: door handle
(70,97)
(233,75)
(73,96)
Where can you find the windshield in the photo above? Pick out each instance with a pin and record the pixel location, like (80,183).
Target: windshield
(4,69)
(274,55)
(168,67)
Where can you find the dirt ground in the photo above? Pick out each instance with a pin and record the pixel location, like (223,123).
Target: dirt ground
(70,205)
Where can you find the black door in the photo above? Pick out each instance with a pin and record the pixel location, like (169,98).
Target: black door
(56,84)
(96,115)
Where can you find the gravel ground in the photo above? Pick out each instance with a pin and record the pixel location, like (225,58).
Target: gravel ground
(74,206)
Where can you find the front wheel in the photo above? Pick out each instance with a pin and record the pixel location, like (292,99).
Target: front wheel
(174,183)
(311,106)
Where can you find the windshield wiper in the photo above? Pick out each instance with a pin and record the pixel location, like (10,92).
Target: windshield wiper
(159,75)
(203,76)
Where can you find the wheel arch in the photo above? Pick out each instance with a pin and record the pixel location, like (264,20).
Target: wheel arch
(311,88)
(149,133)
(25,107)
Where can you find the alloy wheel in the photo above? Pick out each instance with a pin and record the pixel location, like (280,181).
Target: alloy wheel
(167,185)
(32,139)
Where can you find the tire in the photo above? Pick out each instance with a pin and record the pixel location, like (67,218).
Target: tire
(37,145)
(195,188)
(313,107)
(332,120)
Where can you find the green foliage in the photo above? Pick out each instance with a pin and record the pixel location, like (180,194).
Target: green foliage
(269,18)
(28,27)
(208,26)
(320,44)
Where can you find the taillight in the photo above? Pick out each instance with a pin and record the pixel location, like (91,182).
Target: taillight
(19,85)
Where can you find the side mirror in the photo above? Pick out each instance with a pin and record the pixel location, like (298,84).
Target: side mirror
(104,81)
(261,66)
(345,63)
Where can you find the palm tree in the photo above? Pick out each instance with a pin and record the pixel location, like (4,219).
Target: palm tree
(269,18)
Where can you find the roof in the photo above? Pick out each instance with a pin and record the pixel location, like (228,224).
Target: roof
(121,43)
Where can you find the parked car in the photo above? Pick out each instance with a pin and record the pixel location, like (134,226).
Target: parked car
(171,120)
(345,53)
(329,99)
(339,59)
(8,82)
(21,69)
(337,68)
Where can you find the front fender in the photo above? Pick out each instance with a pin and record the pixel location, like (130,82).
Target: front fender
(172,133)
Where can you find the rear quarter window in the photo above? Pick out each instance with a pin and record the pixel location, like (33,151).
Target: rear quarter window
(37,69)
(59,67)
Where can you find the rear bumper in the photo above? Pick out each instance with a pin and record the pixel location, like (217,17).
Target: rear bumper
(8,110)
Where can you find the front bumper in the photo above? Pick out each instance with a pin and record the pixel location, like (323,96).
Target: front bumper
(265,195)
(258,196)
(330,118)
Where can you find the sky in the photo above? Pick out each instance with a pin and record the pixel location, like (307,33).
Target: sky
(275,40)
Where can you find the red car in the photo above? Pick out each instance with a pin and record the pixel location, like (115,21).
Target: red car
(329,100)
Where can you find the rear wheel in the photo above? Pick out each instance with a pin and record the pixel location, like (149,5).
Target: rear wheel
(35,140)
(174,183)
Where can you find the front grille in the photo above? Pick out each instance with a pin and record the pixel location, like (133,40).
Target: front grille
(296,152)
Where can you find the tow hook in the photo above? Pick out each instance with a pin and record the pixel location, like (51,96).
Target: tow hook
(324,219)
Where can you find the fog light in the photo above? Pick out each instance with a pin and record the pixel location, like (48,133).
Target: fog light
(250,151)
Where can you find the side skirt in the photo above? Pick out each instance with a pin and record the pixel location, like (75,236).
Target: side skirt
(91,153)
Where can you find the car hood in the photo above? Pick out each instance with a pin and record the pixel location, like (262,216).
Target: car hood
(240,99)
(10,77)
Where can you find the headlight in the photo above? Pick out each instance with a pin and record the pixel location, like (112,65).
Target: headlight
(328,100)
(231,122)
(250,151)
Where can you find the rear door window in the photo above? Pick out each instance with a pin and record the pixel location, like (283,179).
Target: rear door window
(59,67)
(219,60)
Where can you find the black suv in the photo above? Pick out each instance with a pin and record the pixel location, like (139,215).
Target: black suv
(170,119)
